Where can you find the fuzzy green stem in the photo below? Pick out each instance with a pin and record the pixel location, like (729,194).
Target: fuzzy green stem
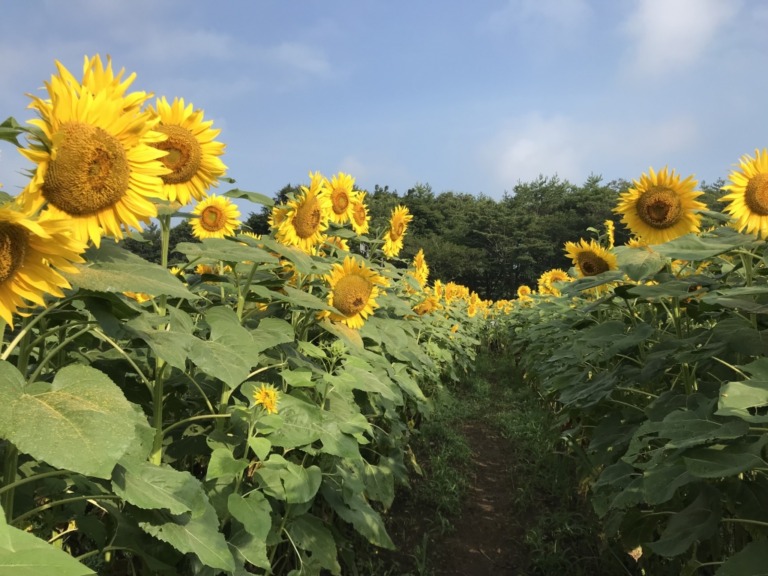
(62,502)
(10,467)
(53,473)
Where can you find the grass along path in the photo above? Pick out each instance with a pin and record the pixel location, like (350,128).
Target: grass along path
(497,495)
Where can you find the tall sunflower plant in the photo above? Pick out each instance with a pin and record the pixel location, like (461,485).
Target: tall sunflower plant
(244,407)
(659,380)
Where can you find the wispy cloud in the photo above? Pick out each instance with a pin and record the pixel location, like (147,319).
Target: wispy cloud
(670,35)
(531,15)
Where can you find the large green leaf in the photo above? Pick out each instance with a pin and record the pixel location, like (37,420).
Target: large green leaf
(704,247)
(254,513)
(226,250)
(149,486)
(723,460)
(639,263)
(81,421)
(112,269)
(254,197)
(23,554)
(191,535)
(311,535)
(752,560)
(287,481)
(747,399)
(696,522)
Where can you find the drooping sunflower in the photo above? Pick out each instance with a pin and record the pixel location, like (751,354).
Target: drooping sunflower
(353,291)
(748,194)
(421,268)
(589,258)
(193,153)
(306,217)
(267,397)
(32,252)
(610,229)
(217,218)
(398,226)
(524,293)
(340,190)
(660,207)
(430,303)
(360,217)
(96,163)
(548,279)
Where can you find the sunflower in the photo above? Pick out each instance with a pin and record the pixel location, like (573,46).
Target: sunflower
(398,225)
(660,207)
(590,258)
(360,217)
(96,164)
(421,268)
(266,396)
(306,218)
(218,217)
(340,191)
(548,279)
(610,229)
(32,252)
(430,303)
(353,291)
(524,293)
(748,194)
(193,154)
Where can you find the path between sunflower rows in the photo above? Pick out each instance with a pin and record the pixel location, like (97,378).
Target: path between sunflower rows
(486,540)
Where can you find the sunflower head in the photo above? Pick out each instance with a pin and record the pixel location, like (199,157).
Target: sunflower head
(341,193)
(398,225)
(589,258)
(660,207)
(267,397)
(306,217)
(359,213)
(548,279)
(748,194)
(192,152)
(217,218)
(353,291)
(96,163)
(32,255)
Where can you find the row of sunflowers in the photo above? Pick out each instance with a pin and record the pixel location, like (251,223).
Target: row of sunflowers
(655,357)
(243,409)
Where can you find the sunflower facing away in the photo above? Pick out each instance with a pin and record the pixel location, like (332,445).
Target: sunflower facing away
(96,164)
(589,258)
(306,217)
(398,225)
(360,217)
(266,396)
(31,254)
(353,291)
(217,218)
(340,190)
(660,207)
(193,154)
(748,194)
(548,279)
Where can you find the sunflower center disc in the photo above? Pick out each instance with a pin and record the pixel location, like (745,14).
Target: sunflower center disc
(340,202)
(351,293)
(307,219)
(184,154)
(13,248)
(212,218)
(398,229)
(88,170)
(659,207)
(359,214)
(756,194)
(591,265)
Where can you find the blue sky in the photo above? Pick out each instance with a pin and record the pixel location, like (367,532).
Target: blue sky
(467,96)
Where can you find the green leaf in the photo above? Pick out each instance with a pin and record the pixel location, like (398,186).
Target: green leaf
(302,299)
(272,332)
(287,481)
(747,399)
(254,197)
(310,534)
(80,422)
(705,246)
(260,446)
(23,554)
(696,522)
(661,482)
(725,459)
(149,486)
(224,465)
(752,560)
(226,250)
(192,535)
(254,513)
(113,269)
(303,262)
(639,263)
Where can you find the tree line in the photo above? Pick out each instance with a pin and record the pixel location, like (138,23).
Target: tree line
(491,246)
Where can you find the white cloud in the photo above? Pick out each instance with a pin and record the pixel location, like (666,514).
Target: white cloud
(521,14)
(670,35)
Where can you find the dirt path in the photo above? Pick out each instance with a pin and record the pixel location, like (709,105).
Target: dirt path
(487,539)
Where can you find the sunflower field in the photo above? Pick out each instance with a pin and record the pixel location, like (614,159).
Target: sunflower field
(245,409)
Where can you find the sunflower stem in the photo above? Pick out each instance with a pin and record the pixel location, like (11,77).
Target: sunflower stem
(746,260)
(10,467)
